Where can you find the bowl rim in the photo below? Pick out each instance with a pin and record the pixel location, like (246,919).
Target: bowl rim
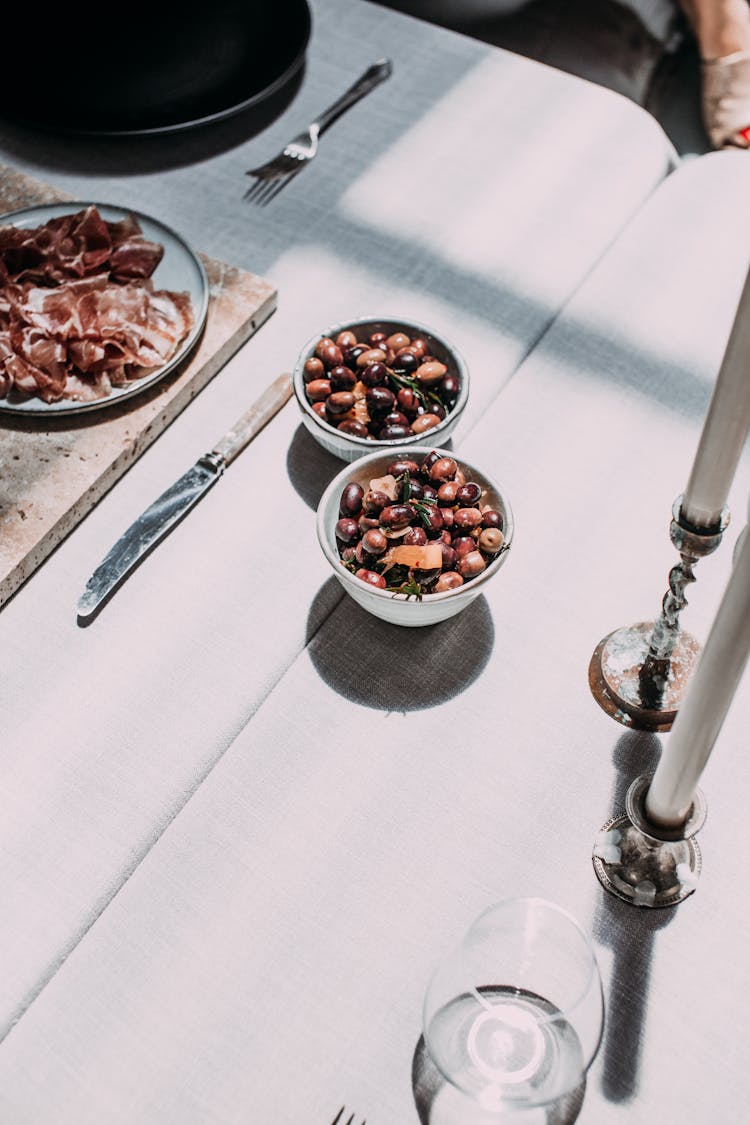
(376,444)
(337,483)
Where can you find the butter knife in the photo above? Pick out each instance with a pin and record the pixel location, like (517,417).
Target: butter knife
(167,511)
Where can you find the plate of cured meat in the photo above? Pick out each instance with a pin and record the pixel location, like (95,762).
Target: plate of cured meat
(97,303)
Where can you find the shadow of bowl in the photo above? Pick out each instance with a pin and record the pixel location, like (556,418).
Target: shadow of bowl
(310,467)
(388,668)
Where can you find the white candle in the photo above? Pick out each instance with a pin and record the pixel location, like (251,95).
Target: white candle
(707,700)
(725,429)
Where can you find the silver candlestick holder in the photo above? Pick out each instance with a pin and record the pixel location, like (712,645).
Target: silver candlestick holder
(643,863)
(638,674)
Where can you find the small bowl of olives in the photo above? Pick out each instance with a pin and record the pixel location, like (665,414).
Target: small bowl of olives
(379,383)
(414,536)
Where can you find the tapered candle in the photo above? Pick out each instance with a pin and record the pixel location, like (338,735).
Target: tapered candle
(725,429)
(707,701)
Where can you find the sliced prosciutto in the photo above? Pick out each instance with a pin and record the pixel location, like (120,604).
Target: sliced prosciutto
(79,313)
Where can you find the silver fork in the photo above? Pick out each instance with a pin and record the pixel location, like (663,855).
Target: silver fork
(339,1118)
(272,176)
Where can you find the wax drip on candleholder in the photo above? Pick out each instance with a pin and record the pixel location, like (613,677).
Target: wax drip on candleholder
(638,673)
(644,864)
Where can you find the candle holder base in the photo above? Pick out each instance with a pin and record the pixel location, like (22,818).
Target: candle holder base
(617,685)
(646,865)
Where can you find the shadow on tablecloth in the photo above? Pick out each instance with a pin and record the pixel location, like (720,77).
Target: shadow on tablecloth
(391,668)
(630,932)
(439,1103)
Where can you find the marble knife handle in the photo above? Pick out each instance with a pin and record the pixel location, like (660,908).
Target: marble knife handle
(252,421)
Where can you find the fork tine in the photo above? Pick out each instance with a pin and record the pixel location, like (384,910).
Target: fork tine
(281,183)
(255,188)
(268,189)
(338,1116)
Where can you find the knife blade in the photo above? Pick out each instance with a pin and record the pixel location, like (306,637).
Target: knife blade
(174,504)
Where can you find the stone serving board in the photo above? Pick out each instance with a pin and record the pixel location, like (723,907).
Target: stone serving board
(53,470)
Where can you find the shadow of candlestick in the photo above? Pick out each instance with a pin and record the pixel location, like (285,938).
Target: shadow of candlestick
(629,931)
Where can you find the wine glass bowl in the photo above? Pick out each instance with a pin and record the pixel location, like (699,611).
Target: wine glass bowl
(513,1017)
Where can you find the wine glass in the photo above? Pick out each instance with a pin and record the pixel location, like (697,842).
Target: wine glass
(513,1017)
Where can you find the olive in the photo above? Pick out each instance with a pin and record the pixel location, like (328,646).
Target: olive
(375,501)
(467,518)
(419,347)
(374,375)
(323,343)
(348,553)
(491,540)
(448,517)
(346,339)
(330,353)
(447,492)
(392,432)
(429,493)
(340,402)
(436,409)
(347,530)
(429,461)
(351,499)
(351,355)
(403,465)
(318,390)
(361,556)
(424,422)
(469,566)
(380,400)
(448,581)
(432,518)
(463,545)
(395,418)
(449,388)
(342,378)
(353,427)
(396,516)
(367,522)
(374,541)
(430,372)
(492,518)
(449,556)
(405,361)
(468,494)
(415,537)
(372,578)
(377,340)
(313,369)
(370,355)
(407,401)
(446,537)
(416,490)
(320,409)
(398,340)
(443,469)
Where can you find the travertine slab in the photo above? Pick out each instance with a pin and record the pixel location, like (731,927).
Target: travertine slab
(53,470)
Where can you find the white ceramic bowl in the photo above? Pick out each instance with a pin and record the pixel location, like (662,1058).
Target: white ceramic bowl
(400,609)
(347,446)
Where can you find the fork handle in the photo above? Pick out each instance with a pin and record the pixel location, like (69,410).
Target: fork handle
(371,78)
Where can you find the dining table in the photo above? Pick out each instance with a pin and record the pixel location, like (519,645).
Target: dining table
(243,818)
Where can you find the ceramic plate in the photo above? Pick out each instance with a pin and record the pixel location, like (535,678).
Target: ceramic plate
(180,269)
(165,67)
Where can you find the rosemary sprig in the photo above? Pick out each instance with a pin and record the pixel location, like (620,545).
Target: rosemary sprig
(411,588)
(424,396)
(423,509)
